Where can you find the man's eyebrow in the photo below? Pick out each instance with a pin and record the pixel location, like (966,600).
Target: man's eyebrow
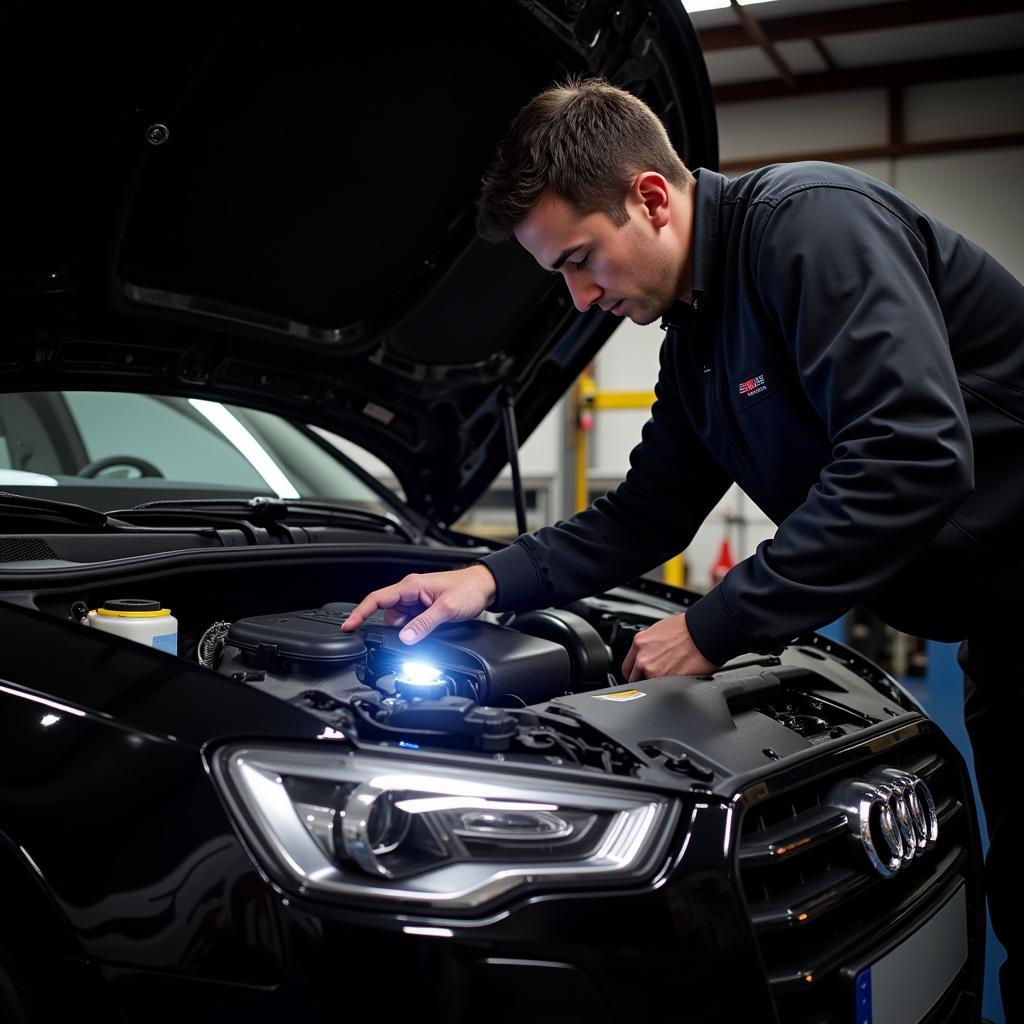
(566,253)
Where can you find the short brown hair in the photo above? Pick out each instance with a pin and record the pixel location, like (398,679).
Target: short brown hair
(584,140)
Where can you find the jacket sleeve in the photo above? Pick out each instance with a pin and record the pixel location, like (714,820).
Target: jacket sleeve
(845,279)
(671,486)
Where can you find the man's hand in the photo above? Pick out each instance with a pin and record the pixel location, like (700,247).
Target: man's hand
(422,601)
(666,649)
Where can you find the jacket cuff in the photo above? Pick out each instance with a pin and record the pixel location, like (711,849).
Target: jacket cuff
(516,577)
(712,629)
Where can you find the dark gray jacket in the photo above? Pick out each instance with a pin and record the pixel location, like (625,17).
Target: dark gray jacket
(858,369)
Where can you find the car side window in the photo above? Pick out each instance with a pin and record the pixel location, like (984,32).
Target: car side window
(155,446)
(164,431)
(25,441)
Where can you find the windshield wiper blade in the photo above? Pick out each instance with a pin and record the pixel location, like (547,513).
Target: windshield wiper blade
(70,514)
(64,510)
(261,511)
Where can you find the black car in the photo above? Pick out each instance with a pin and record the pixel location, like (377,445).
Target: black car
(238,257)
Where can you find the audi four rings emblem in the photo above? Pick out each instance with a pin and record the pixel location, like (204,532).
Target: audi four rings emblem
(893,815)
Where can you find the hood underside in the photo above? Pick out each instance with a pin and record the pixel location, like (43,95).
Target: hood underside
(275,207)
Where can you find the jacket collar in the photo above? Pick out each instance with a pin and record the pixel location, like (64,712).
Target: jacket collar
(707,203)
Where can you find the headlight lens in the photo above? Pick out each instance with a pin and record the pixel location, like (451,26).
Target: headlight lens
(405,828)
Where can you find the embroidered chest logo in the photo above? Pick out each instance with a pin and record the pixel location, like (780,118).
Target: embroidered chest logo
(754,386)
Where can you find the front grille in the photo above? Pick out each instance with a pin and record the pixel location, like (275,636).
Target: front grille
(816,903)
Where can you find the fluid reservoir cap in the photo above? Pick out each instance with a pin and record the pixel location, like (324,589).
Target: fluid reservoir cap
(129,606)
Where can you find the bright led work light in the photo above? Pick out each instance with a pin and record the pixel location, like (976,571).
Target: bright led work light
(419,673)
(419,680)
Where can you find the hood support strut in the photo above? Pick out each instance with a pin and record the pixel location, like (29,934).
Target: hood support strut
(508,419)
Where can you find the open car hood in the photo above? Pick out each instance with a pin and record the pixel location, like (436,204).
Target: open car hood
(274,206)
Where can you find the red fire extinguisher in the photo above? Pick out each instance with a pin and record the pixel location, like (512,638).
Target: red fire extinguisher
(724,563)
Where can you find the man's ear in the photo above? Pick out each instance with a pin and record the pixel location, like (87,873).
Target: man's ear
(651,190)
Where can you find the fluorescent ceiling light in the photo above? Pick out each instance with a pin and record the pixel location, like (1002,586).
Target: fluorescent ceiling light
(696,6)
(254,453)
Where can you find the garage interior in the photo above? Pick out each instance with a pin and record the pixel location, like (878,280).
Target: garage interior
(924,95)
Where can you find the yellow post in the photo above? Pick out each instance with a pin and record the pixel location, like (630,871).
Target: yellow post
(623,399)
(585,392)
(675,571)
(589,400)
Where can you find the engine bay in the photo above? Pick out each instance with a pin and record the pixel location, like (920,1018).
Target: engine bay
(544,684)
(469,685)
(542,687)
(488,663)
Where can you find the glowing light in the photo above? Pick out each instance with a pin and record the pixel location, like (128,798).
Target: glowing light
(42,700)
(440,933)
(419,673)
(425,804)
(696,6)
(31,862)
(330,734)
(50,719)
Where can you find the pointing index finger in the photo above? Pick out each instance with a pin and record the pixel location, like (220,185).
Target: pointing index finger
(369,604)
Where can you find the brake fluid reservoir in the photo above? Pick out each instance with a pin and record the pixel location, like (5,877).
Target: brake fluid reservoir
(138,619)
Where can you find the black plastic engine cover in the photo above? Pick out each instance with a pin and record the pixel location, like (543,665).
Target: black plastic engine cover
(291,652)
(501,667)
(309,635)
(494,665)
(589,657)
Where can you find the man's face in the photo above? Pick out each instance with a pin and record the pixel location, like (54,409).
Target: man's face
(637,270)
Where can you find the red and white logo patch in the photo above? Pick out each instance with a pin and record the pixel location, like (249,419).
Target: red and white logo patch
(754,386)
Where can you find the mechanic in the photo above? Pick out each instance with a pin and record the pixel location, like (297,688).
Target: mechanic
(854,365)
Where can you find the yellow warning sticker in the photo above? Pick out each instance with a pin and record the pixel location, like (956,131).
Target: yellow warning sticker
(621,695)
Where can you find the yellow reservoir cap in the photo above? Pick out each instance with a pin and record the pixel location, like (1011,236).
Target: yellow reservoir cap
(131,615)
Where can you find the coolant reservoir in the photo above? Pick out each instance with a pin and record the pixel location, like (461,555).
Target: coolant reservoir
(138,619)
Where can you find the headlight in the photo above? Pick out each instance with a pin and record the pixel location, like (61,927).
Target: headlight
(449,837)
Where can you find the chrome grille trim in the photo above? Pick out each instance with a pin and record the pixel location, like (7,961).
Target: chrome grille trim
(815,902)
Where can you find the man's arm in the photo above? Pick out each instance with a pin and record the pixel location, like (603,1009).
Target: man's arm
(671,486)
(845,279)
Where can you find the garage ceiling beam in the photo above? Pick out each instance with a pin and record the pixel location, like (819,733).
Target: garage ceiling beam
(881,76)
(843,156)
(823,53)
(877,17)
(753,29)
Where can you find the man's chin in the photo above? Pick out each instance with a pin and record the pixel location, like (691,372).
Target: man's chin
(643,317)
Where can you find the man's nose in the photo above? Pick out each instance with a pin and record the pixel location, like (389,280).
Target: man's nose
(584,292)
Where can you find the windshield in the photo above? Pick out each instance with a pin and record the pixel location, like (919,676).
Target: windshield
(106,450)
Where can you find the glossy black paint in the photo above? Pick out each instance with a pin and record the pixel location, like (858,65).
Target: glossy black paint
(163,897)
(159,913)
(121,829)
(133,888)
